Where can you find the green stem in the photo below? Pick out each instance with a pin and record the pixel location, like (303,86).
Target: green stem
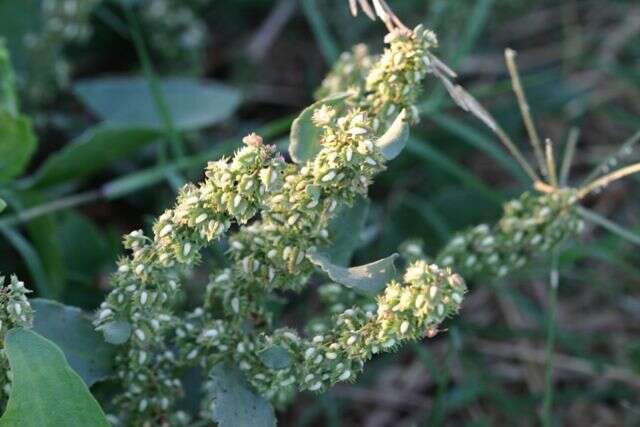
(173,136)
(554,282)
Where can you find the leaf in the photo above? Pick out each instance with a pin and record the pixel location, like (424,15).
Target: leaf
(236,405)
(43,235)
(305,136)
(8,100)
(116,332)
(345,230)
(90,152)
(3,205)
(45,391)
(275,357)
(193,104)
(71,329)
(393,141)
(369,279)
(17,144)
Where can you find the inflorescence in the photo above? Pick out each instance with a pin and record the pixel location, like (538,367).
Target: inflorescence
(279,214)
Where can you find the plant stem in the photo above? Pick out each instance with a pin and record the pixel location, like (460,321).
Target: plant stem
(569,153)
(609,225)
(603,181)
(524,109)
(162,108)
(554,282)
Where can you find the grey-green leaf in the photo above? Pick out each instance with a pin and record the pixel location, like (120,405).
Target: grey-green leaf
(17,144)
(91,152)
(393,141)
(369,279)
(345,230)
(275,357)
(3,205)
(193,104)
(305,136)
(236,405)
(116,332)
(45,391)
(71,329)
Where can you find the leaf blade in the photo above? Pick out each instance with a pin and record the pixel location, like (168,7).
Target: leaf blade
(45,391)
(193,104)
(368,279)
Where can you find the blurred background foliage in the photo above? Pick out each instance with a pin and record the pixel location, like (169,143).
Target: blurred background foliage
(129,102)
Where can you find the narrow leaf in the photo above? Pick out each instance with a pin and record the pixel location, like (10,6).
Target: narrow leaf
(45,391)
(17,144)
(91,152)
(369,279)
(393,141)
(236,405)
(71,329)
(305,136)
(193,104)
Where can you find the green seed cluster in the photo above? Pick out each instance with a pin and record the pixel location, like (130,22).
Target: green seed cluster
(392,84)
(406,311)
(147,282)
(296,204)
(63,22)
(272,252)
(384,85)
(15,311)
(530,225)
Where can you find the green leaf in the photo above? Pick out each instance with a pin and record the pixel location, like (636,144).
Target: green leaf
(17,144)
(275,357)
(90,152)
(193,104)
(236,404)
(43,235)
(45,391)
(8,99)
(345,230)
(3,205)
(305,136)
(116,332)
(393,141)
(71,329)
(369,279)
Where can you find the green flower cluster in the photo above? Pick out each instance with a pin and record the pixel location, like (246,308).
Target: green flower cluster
(530,225)
(15,311)
(147,282)
(62,22)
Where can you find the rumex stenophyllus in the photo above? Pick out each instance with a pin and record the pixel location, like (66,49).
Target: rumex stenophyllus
(296,203)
